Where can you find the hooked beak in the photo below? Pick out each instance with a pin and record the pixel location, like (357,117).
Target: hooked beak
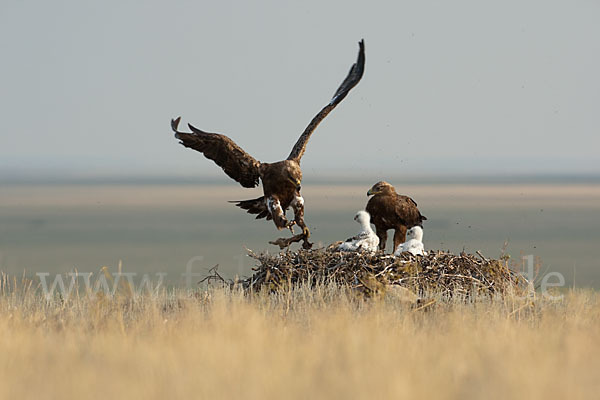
(370,192)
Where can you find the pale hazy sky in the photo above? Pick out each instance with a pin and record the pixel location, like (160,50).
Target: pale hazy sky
(449,86)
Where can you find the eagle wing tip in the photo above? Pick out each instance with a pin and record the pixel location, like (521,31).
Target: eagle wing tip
(175,124)
(194,129)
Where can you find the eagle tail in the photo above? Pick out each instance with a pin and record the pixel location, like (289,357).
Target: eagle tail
(255,206)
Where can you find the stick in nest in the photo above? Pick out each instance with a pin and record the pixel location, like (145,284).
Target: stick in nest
(286,242)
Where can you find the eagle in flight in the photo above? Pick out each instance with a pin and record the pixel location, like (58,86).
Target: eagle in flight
(280,180)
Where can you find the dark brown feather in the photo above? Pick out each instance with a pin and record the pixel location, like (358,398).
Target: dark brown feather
(389,210)
(354,76)
(236,163)
(255,206)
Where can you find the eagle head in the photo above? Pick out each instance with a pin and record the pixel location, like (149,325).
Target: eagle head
(362,217)
(380,187)
(416,232)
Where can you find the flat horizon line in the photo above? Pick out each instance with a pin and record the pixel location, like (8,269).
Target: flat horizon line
(327,179)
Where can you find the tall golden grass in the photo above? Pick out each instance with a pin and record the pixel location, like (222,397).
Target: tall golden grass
(306,343)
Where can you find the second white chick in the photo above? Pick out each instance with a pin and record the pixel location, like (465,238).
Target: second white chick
(413,244)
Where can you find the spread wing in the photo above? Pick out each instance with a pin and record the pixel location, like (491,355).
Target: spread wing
(356,72)
(236,163)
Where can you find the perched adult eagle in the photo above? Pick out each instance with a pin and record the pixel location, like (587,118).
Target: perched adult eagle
(390,210)
(281,180)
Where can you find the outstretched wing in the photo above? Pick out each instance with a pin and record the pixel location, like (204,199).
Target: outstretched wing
(356,72)
(236,163)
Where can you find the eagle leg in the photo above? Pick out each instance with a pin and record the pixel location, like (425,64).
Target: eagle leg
(290,226)
(274,207)
(399,236)
(382,234)
(298,207)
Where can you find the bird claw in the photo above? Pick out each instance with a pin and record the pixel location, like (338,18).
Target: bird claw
(290,226)
(306,232)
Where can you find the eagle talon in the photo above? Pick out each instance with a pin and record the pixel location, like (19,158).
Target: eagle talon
(290,225)
(306,232)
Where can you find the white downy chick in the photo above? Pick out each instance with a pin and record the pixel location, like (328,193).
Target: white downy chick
(366,240)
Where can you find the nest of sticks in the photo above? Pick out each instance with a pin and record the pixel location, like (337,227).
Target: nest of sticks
(440,272)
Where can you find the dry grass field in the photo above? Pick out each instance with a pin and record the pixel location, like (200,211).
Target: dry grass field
(305,343)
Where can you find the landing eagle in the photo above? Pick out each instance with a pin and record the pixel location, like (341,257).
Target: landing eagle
(281,180)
